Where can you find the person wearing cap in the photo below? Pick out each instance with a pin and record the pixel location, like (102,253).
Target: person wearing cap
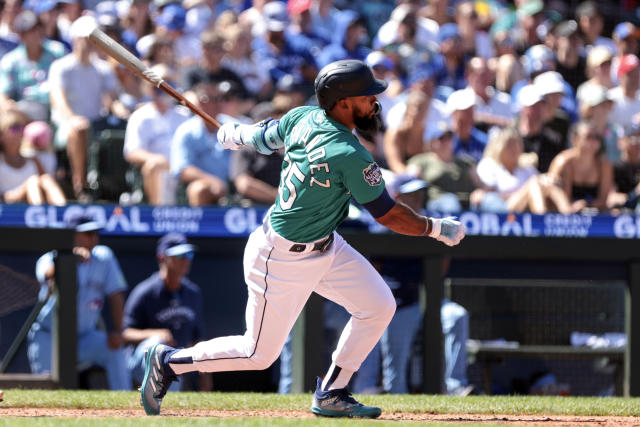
(598,70)
(626,171)
(475,42)
(409,122)
(596,107)
(47,12)
(529,15)
(583,172)
(82,86)
(404,27)
(147,140)
(99,278)
(452,57)
(384,68)
(171,22)
(468,140)
(625,35)
(568,47)
(626,97)
(451,178)
(197,161)
(349,40)
(25,69)
(492,107)
(529,125)
(281,53)
(165,308)
(23,179)
(556,121)
(302,30)
(591,24)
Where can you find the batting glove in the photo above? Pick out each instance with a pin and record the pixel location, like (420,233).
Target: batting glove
(447,230)
(229,135)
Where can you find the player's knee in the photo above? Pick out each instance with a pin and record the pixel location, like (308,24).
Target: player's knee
(388,308)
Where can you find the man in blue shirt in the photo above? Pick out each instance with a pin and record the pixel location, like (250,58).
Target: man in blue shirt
(98,276)
(165,308)
(197,160)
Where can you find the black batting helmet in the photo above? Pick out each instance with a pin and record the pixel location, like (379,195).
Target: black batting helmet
(344,79)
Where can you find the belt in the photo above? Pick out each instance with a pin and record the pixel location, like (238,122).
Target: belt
(322,245)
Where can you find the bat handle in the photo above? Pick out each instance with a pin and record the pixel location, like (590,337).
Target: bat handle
(184,101)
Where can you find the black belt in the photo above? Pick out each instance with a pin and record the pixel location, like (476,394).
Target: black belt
(321,246)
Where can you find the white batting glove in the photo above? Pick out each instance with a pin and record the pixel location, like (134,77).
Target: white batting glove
(447,230)
(229,136)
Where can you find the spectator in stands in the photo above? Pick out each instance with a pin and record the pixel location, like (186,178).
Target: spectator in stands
(137,22)
(569,61)
(385,69)
(324,17)
(556,121)
(468,141)
(626,171)
(210,67)
(170,22)
(520,187)
(529,14)
(492,107)
(165,308)
(25,69)
(596,108)
(82,87)
(508,71)
(23,179)
(301,27)
(591,25)
(409,122)
(598,70)
(626,97)
(451,74)
(475,42)
(70,10)
(277,51)
(583,171)
(625,36)
(348,41)
(406,27)
(197,160)
(452,179)
(240,59)
(99,277)
(37,142)
(47,12)
(147,142)
(529,125)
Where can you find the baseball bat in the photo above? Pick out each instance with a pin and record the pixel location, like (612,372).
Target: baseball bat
(126,58)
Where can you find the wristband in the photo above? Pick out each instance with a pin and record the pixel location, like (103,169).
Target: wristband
(428,227)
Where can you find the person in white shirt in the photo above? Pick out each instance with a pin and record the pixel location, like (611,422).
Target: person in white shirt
(82,86)
(147,142)
(598,70)
(492,107)
(626,106)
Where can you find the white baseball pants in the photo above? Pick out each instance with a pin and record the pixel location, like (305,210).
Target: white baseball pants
(279,284)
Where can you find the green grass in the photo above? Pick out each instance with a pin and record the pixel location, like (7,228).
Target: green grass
(389,403)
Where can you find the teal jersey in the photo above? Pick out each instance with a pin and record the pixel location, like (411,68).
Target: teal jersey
(324,166)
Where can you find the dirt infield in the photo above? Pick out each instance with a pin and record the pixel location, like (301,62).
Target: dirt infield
(547,420)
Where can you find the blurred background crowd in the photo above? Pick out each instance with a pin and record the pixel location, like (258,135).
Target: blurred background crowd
(496,106)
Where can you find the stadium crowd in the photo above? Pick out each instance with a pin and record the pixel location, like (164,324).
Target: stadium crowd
(501,107)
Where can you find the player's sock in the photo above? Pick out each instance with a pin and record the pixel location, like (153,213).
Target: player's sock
(167,360)
(336,378)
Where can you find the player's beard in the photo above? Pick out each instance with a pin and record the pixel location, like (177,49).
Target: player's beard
(369,123)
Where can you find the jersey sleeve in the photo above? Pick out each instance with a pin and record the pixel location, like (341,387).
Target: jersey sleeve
(362,176)
(289,120)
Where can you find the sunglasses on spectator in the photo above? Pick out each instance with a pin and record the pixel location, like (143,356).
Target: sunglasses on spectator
(186,255)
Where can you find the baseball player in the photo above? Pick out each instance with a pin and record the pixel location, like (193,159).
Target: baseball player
(296,251)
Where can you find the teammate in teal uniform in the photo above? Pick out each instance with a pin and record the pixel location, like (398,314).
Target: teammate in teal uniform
(296,251)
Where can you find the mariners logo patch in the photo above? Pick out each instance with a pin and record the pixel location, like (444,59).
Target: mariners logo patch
(373,174)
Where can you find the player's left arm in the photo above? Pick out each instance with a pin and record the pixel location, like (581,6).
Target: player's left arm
(402,219)
(265,136)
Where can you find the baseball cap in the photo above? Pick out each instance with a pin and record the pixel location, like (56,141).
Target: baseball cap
(438,129)
(448,31)
(627,63)
(460,100)
(25,21)
(298,6)
(379,59)
(174,244)
(598,56)
(587,8)
(529,95)
(537,58)
(594,96)
(566,28)
(83,223)
(530,7)
(549,82)
(173,17)
(624,30)
(275,14)
(42,6)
